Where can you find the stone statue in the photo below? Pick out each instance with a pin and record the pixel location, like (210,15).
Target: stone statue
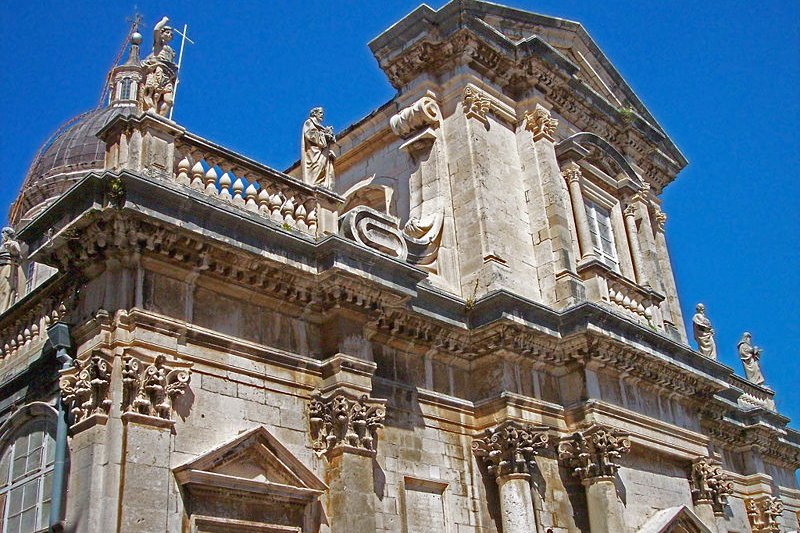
(750,356)
(704,333)
(317,157)
(10,258)
(161,72)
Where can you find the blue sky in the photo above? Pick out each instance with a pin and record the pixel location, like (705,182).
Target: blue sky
(722,78)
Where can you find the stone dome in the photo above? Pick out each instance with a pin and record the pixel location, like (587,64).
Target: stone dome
(70,154)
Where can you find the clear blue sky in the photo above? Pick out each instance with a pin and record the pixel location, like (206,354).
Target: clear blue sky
(721,77)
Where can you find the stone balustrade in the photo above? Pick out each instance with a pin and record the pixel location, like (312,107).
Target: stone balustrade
(629,299)
(753,395)
(156,147)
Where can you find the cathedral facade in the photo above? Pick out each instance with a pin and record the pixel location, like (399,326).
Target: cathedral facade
(457,315)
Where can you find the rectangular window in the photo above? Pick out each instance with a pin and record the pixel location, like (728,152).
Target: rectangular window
(602,234)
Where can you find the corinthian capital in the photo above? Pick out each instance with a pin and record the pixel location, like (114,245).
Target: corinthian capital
(540,123)
(510,448)
(342,420)
(150,390)
(710,483)
(764,514)
(572,172)
(592,454)
(85,386)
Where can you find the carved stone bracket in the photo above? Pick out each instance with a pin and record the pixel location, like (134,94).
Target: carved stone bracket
(592,454)
(710,483)
(476,104)
(541,124)
(150,390)
(424,112)
(85,386)
(764,514)
(510,448)
(375,230)
(342,420)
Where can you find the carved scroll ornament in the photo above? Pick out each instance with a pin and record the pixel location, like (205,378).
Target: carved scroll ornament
(150,390)
(424,112)
(710,483)
(340,420)
(540,123)
(764,514)
(593,453)
(84,388)
(510,448)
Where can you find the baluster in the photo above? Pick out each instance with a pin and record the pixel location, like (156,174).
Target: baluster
(225,185)
(275,203)
(211,182)
(312,221)
(183,172)
(197,176)
(251,193)
(263,202)
(238,187)
(287,210)
(300,217)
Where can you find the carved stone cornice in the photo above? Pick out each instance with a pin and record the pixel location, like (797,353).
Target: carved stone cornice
(151,389)
(710,483)
(767,440)
(510,448)
(540,123)
(764,514)
(85,387)
(342,422)
(592,454)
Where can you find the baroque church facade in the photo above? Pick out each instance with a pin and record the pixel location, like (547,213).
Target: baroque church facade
(457,315)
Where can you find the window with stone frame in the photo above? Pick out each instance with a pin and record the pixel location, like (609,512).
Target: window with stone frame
(26,476)
(602,234)
(125,89)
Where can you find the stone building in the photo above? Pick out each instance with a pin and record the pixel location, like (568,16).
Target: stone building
(475,328)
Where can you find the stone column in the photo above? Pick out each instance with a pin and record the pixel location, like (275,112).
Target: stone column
(671,309)
(591,456)
(572,173)
(711,487)
(344,428)
(633,240)
(508,452)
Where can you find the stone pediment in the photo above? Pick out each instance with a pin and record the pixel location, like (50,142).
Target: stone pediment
(675,520)
(254,463)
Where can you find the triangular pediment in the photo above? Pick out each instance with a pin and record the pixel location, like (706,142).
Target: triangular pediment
(254,462)
(675,520)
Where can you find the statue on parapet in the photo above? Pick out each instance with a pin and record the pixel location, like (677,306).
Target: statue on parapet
(750,356)
(704,333)
(10,275)
(317,155)
(160,72)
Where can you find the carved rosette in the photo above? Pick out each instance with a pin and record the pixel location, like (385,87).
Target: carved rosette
(710,483)
(476,103)
(151,389)
(593,454)
(341,420)
(510,448)
(85,386)
(541,124)
(422,113)
(764,514)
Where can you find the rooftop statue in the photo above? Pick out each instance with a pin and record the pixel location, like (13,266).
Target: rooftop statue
(750,356)
(10,257)
(704,333)
(316,150)
(161,72)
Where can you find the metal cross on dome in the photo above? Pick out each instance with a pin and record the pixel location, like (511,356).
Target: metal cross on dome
(184,37)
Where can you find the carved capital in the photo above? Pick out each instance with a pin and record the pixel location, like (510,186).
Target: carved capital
(541,124)
(660,217)
(710,483)
(510,448)
(476,103)
(764,514)
(424,112)
(341,420)
(85,386)
(151,389)
(593,453)
(630,210)
(572,173)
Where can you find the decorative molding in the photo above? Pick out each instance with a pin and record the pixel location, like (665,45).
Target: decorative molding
(151,390)
(476,103)
(343,421)
(541,124)
(710,483)
(510,448)
(592,454)
(85,387)
(764,514)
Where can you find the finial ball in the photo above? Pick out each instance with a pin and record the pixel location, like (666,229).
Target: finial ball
(136,38)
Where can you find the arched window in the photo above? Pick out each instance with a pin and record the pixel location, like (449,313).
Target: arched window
(26,477)
(125,92)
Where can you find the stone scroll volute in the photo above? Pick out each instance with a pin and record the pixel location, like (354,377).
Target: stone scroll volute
(593,453)
(151,389)
(710,483)
(345,421)
(510,448)
(85,387)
